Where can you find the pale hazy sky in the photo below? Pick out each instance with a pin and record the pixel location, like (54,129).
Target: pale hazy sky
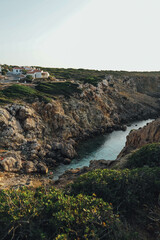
(95,34)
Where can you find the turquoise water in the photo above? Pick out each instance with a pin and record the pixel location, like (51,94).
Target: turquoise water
(106,147)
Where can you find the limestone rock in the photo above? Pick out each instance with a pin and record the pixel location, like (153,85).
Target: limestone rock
(68,151)
(67,161)
(42,168)
(11,164)
(138,138)
(30,167)
(29,124)
(25,112)
(49,132)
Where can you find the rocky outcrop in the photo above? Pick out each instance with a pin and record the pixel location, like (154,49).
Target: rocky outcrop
(11,161)
(138,138)
(45,135)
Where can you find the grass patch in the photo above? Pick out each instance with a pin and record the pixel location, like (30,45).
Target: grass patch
(26,93)
(43,92)
(18,91)
(58,88)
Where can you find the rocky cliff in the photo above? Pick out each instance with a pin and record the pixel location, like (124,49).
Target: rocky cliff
(37,135)
(138,138)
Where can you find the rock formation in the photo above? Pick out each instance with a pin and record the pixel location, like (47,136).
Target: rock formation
(35,136)
(138,138)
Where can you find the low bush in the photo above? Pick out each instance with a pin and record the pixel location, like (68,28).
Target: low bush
(58,88)
(18,91)
(148,155)
(41,214)
(127,189)
(4,99)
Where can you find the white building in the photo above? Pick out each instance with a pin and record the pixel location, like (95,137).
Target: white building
(38,74)
(35,73)
(17,70)
(31,73)
(45,74)
(28,68)
(0,69)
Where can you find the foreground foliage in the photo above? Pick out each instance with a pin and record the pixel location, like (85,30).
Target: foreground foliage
(25,214)
(102,204)
(126,189)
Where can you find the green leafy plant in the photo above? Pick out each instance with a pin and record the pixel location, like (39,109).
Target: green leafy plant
(147,155)
(126,189)
(41,214)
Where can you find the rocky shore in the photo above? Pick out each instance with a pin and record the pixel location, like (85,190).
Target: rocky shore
(138,138)
(135,140)
(38,136)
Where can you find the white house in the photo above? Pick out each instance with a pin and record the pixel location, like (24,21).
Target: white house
(0,69)
(45,74)
(38,74)
(17,70)
(35,73)
(31,73)
(28,68)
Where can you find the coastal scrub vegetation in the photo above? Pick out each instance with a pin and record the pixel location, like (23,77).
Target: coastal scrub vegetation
(58,88)
(42,91)
(134,194)
(148,155)
(51,214)
(126,189)
(93,76)
(22,92)
(102,204)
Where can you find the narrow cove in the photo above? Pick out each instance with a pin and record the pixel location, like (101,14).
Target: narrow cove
(106,146)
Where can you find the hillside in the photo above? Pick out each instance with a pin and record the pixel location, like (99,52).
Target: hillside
(41,125)
(107,203)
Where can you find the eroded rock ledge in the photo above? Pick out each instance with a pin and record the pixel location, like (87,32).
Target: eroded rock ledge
(138,138)
(36,136)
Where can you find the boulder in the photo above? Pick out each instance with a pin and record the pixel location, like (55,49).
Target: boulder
(25,112)
(67,161)
(4,118)
(51,162)
(56,145)
(51,155)
(10,164)
(30,167)
(68,151)
(29,124)
(42,168)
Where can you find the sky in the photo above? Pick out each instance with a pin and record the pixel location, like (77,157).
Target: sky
(90,34)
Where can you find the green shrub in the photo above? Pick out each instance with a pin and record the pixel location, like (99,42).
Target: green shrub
(4,99)
(127,189)
(148,155)
(18,91)
(58,88)
(25,214)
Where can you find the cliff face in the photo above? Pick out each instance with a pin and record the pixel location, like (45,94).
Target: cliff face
(34,136)
(138,138)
